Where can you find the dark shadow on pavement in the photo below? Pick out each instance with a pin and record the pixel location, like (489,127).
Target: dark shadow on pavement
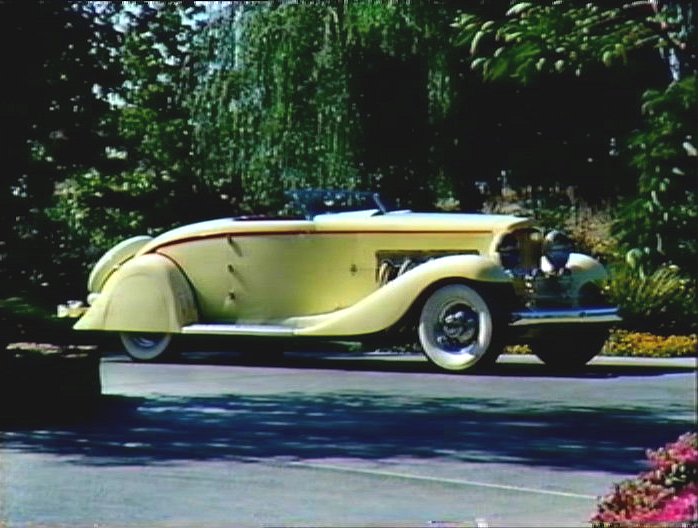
(352,425)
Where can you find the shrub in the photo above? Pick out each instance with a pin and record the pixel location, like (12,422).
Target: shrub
(590,229)
(667,493)
(661,219)
(662,302)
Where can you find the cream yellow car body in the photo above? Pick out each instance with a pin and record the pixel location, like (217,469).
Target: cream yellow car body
(340,275)
(318,278)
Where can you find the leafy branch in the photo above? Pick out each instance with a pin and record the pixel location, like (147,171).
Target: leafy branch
(533,39)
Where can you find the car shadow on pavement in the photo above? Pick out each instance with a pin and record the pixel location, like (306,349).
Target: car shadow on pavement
(350,425)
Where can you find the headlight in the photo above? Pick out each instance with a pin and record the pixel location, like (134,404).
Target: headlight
(557,247)
(509,251)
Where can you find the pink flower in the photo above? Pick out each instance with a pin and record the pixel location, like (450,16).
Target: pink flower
(679,508)
(685,450)
(667,493)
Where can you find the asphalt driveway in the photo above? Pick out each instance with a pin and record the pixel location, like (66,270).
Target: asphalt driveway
(343,439)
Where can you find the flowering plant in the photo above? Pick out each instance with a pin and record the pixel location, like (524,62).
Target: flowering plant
(645,344)
(666,495)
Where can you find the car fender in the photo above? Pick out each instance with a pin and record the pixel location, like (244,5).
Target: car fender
(585,270)
(148,293)
(586,267)
(386,306)
(112,260)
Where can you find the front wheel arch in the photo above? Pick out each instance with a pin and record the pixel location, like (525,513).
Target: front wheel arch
(500,296)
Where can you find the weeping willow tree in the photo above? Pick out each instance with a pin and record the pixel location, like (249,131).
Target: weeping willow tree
(294,95)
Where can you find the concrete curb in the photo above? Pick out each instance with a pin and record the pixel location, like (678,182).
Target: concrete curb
(686,362)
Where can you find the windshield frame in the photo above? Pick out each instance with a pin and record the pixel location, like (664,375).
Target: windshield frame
(313,202)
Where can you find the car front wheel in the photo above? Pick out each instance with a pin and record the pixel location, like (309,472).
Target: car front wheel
(146,347)
(458,329)
(571,350)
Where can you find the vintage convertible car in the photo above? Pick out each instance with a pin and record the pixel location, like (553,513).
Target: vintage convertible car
(345,267)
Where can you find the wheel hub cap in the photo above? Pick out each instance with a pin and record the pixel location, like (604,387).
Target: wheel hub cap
(457,327)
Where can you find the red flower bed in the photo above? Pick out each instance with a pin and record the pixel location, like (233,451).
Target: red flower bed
(666,495)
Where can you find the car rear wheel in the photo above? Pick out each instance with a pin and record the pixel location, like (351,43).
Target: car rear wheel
(147,347)
(458,329)
(569,351)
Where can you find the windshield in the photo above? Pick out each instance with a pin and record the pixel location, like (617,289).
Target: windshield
(311,203)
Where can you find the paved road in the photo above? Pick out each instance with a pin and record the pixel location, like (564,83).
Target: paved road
(346,440)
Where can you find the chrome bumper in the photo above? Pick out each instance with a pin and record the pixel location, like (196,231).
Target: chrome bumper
(526,318)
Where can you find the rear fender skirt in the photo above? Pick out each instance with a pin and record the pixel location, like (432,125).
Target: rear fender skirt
(148,293)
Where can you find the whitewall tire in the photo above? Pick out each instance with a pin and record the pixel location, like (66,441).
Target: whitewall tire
(457,328)
(146,347)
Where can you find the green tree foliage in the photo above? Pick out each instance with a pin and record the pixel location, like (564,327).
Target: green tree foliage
(199,114)
(149,181)
(55,53)
(375,95)
(662,219)
(554,125)
(267,97)
(533,41)
(534,38)
(273,112)
(301,95)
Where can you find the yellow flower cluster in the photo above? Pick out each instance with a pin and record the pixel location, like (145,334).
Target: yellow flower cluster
(644,344)
(517,349)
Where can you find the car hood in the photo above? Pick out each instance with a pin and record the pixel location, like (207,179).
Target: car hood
(409,221)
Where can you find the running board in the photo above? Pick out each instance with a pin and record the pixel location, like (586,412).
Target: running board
(238,330)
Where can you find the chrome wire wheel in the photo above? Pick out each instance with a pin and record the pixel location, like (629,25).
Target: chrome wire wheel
(146,346)
(456,328)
